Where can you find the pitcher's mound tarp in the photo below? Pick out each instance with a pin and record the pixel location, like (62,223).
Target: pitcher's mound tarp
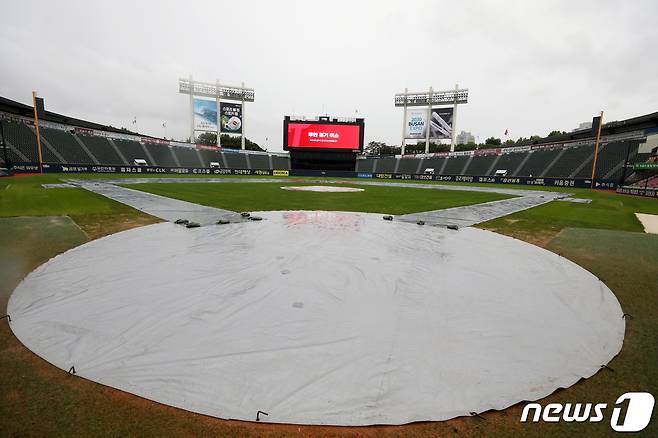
(320,318)
(323,189)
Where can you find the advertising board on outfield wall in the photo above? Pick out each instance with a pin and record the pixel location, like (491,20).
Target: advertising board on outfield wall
(638,191)
(551,182)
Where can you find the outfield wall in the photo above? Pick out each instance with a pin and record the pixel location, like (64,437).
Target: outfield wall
(638,191)
(144,170)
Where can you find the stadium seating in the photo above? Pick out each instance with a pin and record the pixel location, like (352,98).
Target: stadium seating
(652,183)
(102,150)
(649,183)
(66,145)
(480,165)
(435,163)
(132,150)
(571,159)
(23,139)
(537,162)
(386,165)
(62,145)
(510,162)
(279,162)
(259,161)
(187,157)
(640,158)
(162,155)
(210,156)
(611,156)
(408,165)
(235,160)
(454,166)
(366,165)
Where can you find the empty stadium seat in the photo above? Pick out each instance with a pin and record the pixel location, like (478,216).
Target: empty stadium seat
(131,150)
(210,156)
(537,162)
(510,162)
(259,161)
(22,138)
(386,164)
(365,165)
(66,145)
(435,163)
(235,160)
(611,156)
(279,162)
(408,165)
(570,160)
(455,165)
(640,158)
(480,164)
(161,155)
(187,157)
(101,148)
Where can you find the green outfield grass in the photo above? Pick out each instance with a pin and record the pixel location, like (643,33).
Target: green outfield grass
(270,196)
(607,210)
(94,214)
(37,399)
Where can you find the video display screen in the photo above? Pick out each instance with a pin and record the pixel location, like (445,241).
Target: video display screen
(323,135)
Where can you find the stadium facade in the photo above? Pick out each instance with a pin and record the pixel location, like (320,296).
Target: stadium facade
(74,145)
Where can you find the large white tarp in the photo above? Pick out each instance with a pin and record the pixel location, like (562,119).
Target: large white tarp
(320,318)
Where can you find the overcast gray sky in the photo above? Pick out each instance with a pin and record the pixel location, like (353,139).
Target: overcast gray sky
(530,66)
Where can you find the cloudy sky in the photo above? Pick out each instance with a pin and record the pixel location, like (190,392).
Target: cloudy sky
(530,66)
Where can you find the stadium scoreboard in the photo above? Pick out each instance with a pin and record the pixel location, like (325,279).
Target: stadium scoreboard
(324,134)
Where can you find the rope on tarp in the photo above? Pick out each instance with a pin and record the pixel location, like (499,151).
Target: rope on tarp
(607,368)
(258,415)
(6,316)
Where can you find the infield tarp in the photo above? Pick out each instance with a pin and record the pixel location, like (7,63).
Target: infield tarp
(320,318)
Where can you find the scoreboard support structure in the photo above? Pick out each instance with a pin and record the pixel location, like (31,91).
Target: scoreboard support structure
(218,92)
(324,144)
(430,100)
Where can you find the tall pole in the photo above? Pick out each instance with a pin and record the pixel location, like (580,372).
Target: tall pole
(404,121)
(428,123)
(243,118)
(36,125)
(596,148)
(454,121)
(192,140)
(4,146)
(623,173)
(219,116)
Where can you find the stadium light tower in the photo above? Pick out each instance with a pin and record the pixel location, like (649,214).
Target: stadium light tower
(219,93)
(437,123)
